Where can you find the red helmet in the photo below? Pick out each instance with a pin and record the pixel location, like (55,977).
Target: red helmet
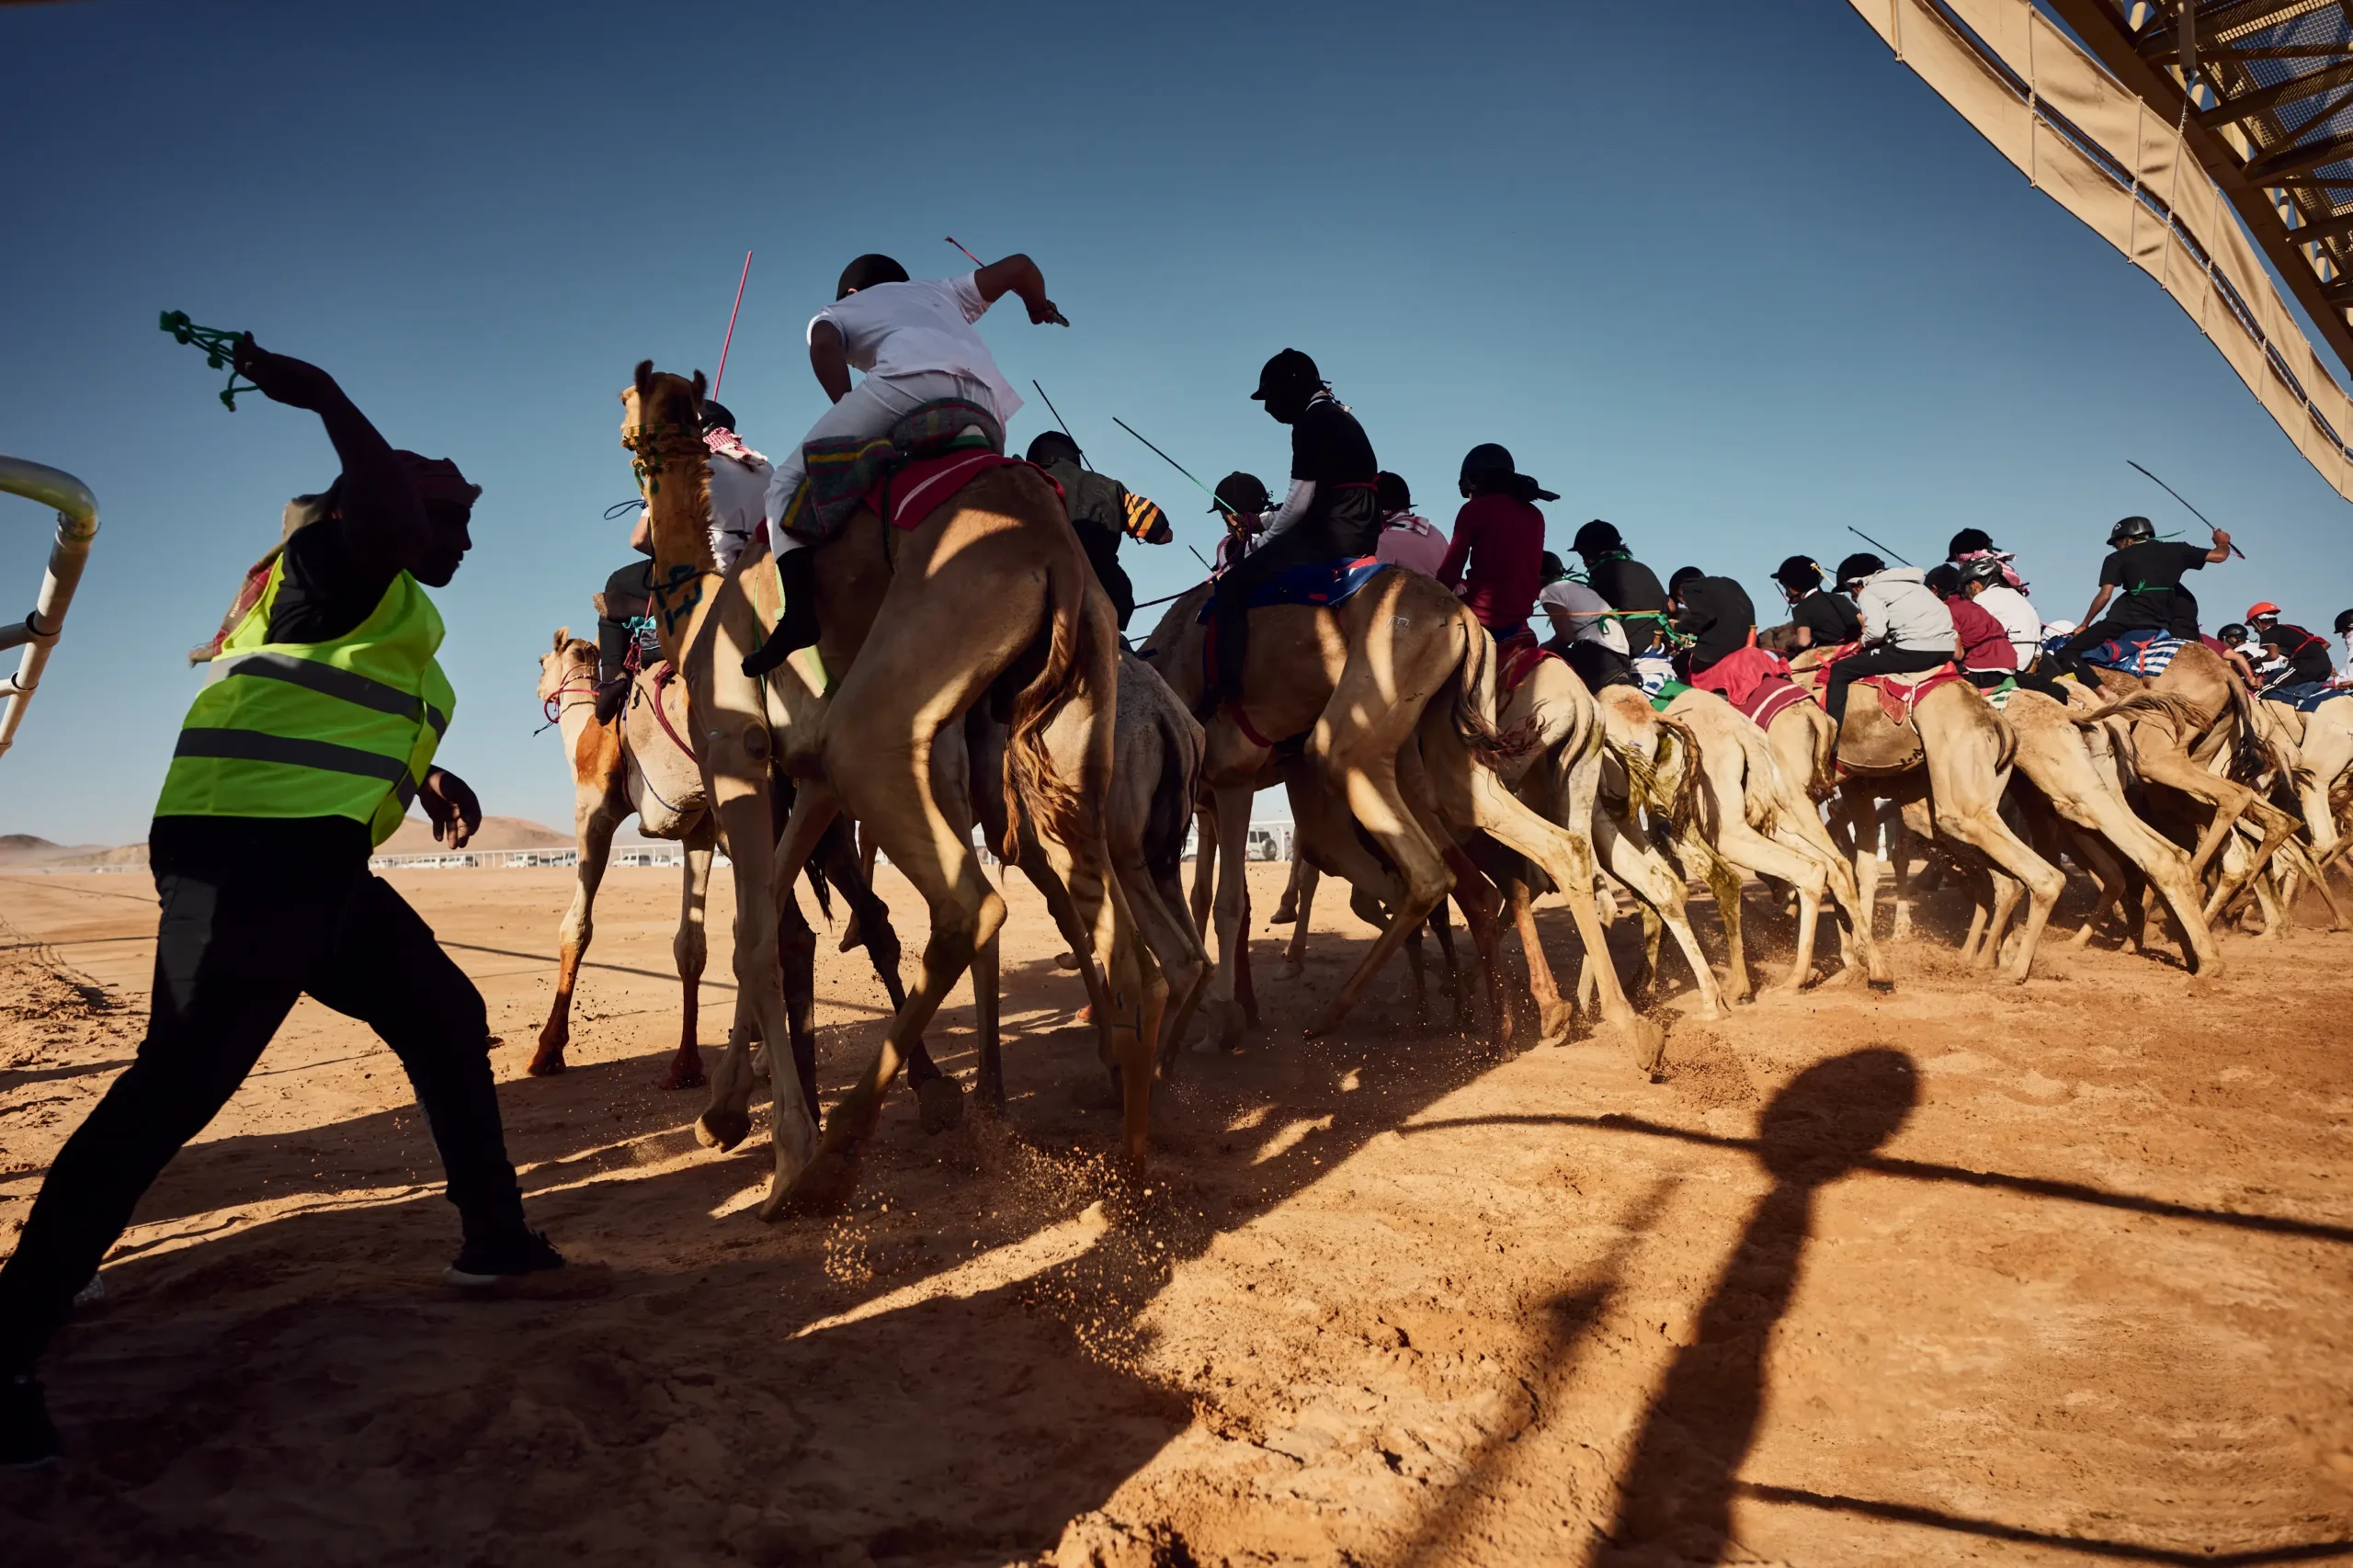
(2262,606)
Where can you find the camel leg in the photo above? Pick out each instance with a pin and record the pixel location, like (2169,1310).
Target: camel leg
(1634,861)
(1964,813)
(986,1008)
(746,825)
(1204,866)
(1232,909)
(1360,757)
(1177,930)
(690,948)
(2093,809)
(2276,825)
(1476,896)
(1801,830)
(594,832)
(939,1098)
(1300,899)
(1554,1015)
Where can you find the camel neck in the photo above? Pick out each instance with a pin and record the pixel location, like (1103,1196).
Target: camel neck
(677,486)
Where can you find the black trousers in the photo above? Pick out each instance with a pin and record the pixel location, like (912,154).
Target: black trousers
(2031,680)
(1874,662)
(1230,625)
(256,913)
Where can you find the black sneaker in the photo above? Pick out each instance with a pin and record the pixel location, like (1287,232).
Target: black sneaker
(484,1263)
(28,1437)
(610,696)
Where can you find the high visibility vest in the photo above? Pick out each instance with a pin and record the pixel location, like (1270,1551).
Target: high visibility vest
(344,728)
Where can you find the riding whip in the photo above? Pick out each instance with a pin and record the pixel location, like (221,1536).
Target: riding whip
(1180,468)
(1874,544)
(731,324)
(2193,511)
(1061,422)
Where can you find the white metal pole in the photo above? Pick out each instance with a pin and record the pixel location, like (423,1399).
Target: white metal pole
(77,525)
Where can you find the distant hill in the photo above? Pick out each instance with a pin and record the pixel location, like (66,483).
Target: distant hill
(24,849)
(415,837)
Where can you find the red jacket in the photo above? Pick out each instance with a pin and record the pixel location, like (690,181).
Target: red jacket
(1985,645)
(1502,540)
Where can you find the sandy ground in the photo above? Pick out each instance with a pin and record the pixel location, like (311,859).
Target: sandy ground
(2052,1275)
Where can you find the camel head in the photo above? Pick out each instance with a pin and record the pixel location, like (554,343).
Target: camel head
(660,405)
(571,662)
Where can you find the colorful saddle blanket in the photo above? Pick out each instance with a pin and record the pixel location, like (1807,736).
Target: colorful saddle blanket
(1324,583)
(1898,697)
(1516,659)
(844,475)
(1755,680)
(2307,696)
(2146,652)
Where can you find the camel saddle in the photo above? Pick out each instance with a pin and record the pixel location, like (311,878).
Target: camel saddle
(846,475)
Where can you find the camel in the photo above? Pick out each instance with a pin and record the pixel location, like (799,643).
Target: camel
(1761,819)
(620,771)
(1394,692)
(990,596)
(1945,766)
(2315,750)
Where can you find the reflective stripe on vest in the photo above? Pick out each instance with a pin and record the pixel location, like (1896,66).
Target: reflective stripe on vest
(345,727)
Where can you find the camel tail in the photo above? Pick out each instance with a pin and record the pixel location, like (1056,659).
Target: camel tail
(1474,699)
(1684,796)
(1058,806)
(2179,712)
(2253,754)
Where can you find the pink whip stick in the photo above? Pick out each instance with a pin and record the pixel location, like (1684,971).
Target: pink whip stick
(976,261)
(731,324)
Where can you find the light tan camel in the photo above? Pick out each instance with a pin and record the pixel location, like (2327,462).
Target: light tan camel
(2315,750)
(1764,821)
(990,597)
(620,771)
(1395,691)
(1945,765)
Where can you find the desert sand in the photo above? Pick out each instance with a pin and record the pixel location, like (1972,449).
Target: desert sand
(2057,1274)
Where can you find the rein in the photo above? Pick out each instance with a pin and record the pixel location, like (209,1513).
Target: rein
(554,704)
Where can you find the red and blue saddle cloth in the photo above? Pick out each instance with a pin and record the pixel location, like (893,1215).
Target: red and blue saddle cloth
(2306,697)
(2147,651)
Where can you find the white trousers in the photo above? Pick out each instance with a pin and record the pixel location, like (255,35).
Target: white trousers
(871,408)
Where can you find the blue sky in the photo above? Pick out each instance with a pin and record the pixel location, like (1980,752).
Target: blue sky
(1735,302)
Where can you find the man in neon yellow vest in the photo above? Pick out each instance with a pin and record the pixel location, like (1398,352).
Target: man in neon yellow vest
(304,752)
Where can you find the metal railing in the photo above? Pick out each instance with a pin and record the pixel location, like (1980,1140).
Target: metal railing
(77,525)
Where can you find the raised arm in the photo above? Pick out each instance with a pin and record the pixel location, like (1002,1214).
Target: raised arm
(1019,274)
(2221,551)
(381,515)
(2099,603)
(829,358)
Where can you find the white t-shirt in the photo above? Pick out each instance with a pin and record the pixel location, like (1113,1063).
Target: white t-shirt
(1587,610)
(2019,623)
(739,505)
(905,329)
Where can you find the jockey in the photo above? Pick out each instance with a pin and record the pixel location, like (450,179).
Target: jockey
(2306,655)
(1822,620)
(1984,586)
(2254,663)
(1715,612)
(918,345)
(2148,570)
(2343,630)
(1407,539)
(1102,512)
(1906,627)
(621,620)
(1241,502)
(1332,513)
(1625,584)
(1986,656)
(739,486)
(1576,612)
(1497,561)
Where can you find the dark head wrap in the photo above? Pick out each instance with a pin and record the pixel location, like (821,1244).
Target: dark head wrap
(866,272)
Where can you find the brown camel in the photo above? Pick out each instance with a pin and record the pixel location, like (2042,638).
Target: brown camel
(1393,691)
(990,596)
(619,770)
(1945,763)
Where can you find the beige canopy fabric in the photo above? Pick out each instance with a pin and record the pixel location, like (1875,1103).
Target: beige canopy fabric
(2095,148)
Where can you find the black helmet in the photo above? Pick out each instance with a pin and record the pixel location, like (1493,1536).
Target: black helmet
(1241,492)
(1392,492)
(716,417)
(866,272)
(1799,571)
(2235,633)
(1288,374)
(1597,538)
(1682,574)
(1861,565)
(2131,529)
(1982,569)
(1488,459)
(2344,622)
(1967,542)
(1052,446)
(1555,568)
(1943,579)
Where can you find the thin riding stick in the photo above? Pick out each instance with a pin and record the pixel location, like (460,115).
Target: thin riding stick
(1172,462)
(1867,540)
(1062,424)
(976,261)
(2193,511)
(731,325)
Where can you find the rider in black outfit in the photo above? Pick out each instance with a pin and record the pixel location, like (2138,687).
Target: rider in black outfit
(1823,620)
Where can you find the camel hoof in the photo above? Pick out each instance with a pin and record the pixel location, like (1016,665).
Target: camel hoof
(940,1102)
(1293,969)
(851,935)
(821,1188)
(682,1077)
(546,1066)
(1882,986)
(722,1128)
(1066,960)
(1553,1028)
(1284,915)
(1646,1042)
